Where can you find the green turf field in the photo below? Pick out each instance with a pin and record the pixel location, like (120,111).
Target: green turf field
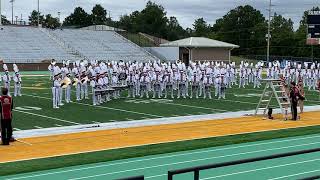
(156,167)
(34,109)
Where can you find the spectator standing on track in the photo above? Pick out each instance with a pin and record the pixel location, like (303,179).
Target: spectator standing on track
(294,96)
(6,104)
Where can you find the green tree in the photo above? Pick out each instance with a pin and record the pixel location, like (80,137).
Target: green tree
(4,20)
(153,20)
(33,18)
(244,26)
(303,50)
(51,22)
(79,18)
(99,16)
(282,36)
(175,31)
(201,28)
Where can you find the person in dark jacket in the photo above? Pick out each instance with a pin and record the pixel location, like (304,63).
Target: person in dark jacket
(294,97)
(6,106)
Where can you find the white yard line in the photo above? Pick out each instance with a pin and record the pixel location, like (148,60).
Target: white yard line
(38,127)
(57,119)
(58,125)
(16,129)
(197,107)
(103,107)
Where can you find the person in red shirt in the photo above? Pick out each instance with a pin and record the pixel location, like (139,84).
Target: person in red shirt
(6,106)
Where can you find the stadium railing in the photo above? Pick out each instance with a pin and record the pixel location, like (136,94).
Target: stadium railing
(133,178)
(196,170)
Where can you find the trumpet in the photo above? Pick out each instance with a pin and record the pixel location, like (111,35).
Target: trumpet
(65,82)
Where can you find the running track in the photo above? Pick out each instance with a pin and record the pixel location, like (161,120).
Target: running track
(156,167)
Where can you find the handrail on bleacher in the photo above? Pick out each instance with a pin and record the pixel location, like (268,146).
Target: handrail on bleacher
(196,170)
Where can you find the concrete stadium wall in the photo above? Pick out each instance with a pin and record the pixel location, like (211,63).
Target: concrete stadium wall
(164,53)
(31,66)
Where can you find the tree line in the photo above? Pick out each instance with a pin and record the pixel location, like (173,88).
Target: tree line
(243,25)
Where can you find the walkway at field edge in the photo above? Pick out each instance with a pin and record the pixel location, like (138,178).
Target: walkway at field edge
(58,145)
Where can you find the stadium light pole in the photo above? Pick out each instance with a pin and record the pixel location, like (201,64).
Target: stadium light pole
(38,13)
(0,15)
(11,1)
(269,33)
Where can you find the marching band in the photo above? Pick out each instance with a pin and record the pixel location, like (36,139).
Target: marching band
(162,80)
(6,79)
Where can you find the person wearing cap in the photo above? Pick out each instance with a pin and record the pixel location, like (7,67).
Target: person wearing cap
(294,96)
(17,81)
(56,90)
(6,78)
(195,83)
(76,76)
(6,104)
(182,80)
(223,87)
(207,81)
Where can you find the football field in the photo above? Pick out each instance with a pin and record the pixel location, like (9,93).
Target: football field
(34,109)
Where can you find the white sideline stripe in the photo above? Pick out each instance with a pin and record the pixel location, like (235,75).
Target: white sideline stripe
(103,107)
(182,162)
(292,175)
(38,127)
(184,154)
(58,125)
(47,117)
(260,169)
(197,107)
(16,129)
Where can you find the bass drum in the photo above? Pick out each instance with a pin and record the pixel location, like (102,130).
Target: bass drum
(122,76)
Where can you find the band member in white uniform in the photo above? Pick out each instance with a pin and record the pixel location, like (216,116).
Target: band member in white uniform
(6,78)
(257,76)
(131,81)
(56,88)
(84,80)
(207,82)
(157,79)
(195,83)
(144,81)
(51,68)
(182,90)
(77,79)
(242,76)
(223,87)
(17,81)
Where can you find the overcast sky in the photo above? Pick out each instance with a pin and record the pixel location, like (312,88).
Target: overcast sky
(185,10)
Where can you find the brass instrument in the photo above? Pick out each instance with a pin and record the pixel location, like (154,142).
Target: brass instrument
(75,81)
(65,82)
(84,80)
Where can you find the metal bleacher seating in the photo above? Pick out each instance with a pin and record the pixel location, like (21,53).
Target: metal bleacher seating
(34,45)
(103,45)
(29,45)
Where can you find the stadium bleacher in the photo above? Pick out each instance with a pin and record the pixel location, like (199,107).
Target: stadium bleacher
(34,45)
